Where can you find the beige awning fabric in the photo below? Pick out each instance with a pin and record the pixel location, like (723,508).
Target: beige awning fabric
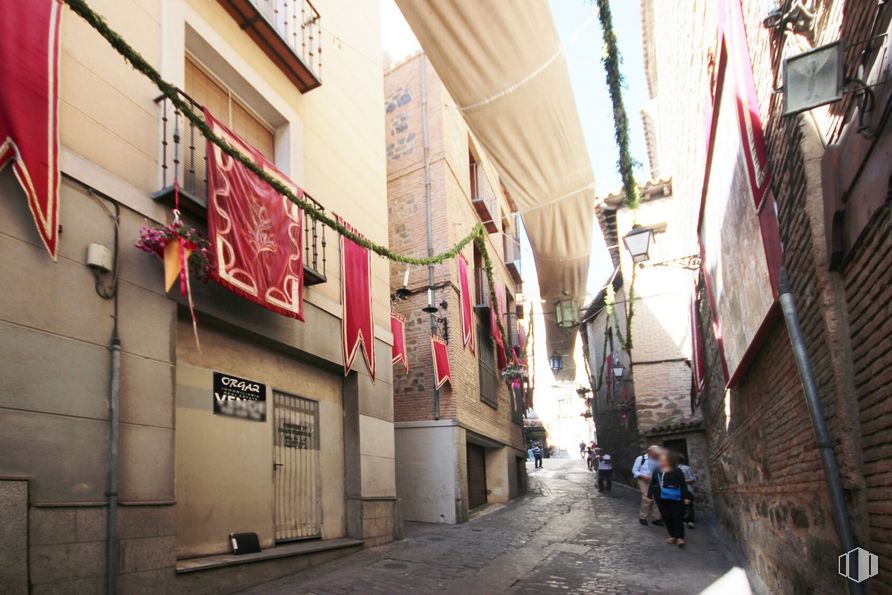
(501,61)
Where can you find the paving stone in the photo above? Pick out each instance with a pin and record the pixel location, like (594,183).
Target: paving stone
(563,537)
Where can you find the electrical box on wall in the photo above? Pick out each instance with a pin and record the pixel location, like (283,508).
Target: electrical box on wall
(99,258)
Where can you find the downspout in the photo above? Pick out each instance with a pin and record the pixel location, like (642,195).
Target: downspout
(425,135)
(111,536)
(841,518)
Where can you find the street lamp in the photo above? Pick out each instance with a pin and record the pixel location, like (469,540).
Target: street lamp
(618,371)
(638,241)
(556,362)
(567,312)
(814,78)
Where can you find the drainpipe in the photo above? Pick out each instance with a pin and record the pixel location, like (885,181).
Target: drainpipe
(425,135)
(111,543)
(111,525)
(841,517)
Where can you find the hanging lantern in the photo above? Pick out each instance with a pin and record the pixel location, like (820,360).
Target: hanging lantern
(556,361)
(638,242)
(567,312)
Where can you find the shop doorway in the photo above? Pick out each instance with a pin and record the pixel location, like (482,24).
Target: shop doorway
(296,468)
(476,476)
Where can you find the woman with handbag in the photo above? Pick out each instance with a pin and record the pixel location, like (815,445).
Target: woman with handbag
(670,491)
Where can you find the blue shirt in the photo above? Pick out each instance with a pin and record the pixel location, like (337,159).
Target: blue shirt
(644,467)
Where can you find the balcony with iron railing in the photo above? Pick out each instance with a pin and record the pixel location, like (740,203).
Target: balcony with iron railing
(511,248)
(484,198)
(288,31)
(483,298)
(183,160)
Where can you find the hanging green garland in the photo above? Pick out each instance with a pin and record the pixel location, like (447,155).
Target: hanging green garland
(611,60)
(170,91)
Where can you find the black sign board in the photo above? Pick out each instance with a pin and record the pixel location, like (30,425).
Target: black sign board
(239,397)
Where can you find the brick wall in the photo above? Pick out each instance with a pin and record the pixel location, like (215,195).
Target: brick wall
(453,218)
(767,478)
(869,295)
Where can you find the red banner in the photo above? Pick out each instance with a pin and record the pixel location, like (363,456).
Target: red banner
(29,107)
(255,232)
(466,308)
(442,375)
(398,328)
(357,324)
(698,365)
(750,121)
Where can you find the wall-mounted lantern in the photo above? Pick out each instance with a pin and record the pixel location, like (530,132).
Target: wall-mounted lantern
(556,361)
(618,371)
(638,242)
(814,78)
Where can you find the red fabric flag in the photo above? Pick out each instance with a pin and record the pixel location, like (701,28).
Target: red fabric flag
(29,107)
(356,297)
(256,233)
(398,328)
(698,365)
(466,306)
(442,375)
(751,133)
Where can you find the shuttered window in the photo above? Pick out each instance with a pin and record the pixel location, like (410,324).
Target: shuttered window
(489,376)
(219,99)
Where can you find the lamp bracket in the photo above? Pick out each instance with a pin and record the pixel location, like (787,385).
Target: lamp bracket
(691,262)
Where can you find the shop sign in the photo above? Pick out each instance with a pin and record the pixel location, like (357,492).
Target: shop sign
(239,397)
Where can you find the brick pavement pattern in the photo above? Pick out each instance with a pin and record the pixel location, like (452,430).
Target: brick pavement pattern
(563,537)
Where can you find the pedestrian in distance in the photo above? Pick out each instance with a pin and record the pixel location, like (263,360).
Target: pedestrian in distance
(582,450)
(670,491)
(605,472)
(591,459)
(537,455)
(643,471)
(690,478)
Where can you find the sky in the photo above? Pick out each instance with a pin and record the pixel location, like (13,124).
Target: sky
(580,34)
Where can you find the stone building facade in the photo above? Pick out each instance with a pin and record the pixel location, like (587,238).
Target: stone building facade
(187,477)
(650,402)
(830,184)
(443,439)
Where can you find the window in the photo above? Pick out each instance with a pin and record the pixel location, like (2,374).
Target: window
(208,91)
(489,376)
(472,167)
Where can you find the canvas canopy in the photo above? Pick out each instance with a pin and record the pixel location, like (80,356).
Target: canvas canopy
(502,63)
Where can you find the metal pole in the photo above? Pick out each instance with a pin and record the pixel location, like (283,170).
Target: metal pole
(841,518)
(428,208)
(111,542)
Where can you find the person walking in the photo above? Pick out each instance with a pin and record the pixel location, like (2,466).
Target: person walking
(605,472)
(643,471)
(591,458)
(670,491)
(582,450)
(537,455)
(690,478)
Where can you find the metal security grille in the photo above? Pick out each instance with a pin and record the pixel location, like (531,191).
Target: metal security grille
(296,467)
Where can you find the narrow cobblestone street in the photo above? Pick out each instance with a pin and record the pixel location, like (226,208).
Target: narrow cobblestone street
(563,537)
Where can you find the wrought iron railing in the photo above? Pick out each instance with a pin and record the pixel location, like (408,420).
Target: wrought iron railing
(183,160)
(484,198)
(299,25)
